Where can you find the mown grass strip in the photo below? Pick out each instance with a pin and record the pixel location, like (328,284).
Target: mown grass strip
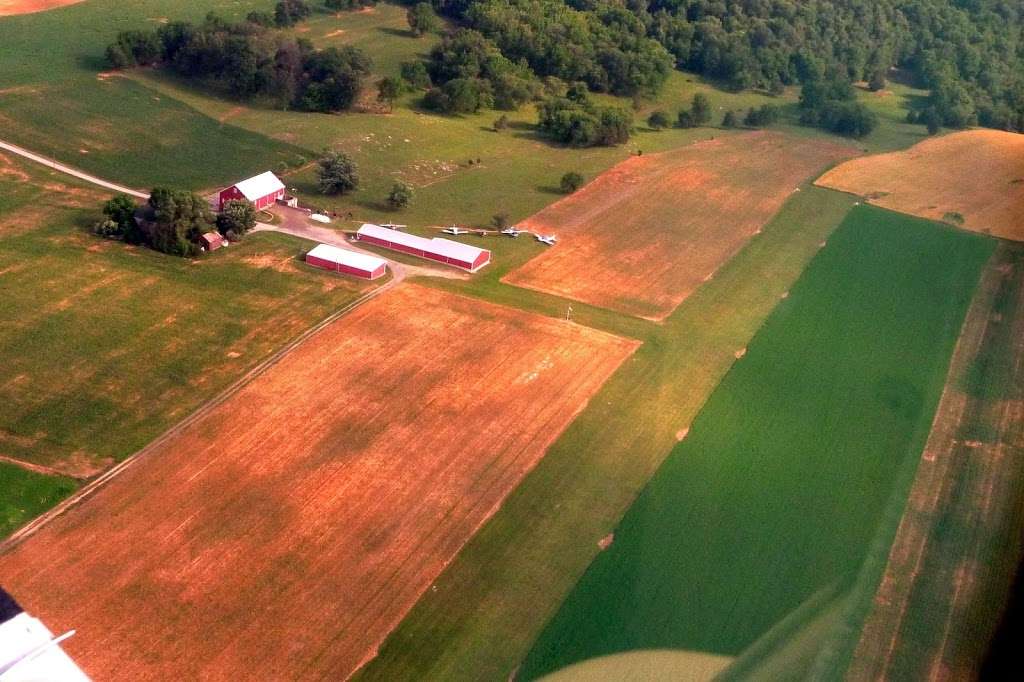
(779,487)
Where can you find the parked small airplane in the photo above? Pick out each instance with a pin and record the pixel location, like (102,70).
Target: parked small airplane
(393,226)
(454,229)
(512,231)
(548,239)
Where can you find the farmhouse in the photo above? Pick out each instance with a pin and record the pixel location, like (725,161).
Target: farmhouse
(262,190)
(349,262)
(441,250)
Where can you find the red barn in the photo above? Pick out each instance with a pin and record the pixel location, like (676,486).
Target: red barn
(349,262)
(441,250)
(262,190)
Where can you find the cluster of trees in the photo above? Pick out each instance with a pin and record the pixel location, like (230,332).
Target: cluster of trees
(248,59)
(575,120)
(422,19)
(173,220)
(697,115)
(337,174)
(827,100)
(968,53)
(756,117)
(603,43)
(467,72)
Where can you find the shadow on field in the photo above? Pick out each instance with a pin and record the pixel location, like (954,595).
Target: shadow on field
(94,63)
(373,205)
(397,32)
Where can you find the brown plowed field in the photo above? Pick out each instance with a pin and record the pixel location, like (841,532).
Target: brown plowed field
(644,235)
(978,174)
(953,561)
(11,7)
(286,533)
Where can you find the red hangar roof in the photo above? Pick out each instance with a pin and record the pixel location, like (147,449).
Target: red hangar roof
(445,250)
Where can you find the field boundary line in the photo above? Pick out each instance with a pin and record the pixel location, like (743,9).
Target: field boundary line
(36,468)
(202,411)
(68,170)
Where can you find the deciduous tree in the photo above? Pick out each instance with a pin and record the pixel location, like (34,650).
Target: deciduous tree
(336,173)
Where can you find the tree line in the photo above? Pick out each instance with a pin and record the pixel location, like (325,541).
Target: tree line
(968,53)
(503,53)
(250,59)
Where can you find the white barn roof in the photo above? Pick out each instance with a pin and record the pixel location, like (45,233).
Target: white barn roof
(346,257)
(26,654)
(443,247)
(259,186)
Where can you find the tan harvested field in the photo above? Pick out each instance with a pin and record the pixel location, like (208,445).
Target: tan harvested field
(12,7)
(291,529)
(953,561)
(978,174)
(644,235)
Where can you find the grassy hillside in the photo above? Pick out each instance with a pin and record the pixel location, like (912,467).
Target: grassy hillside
(151,128)
(777,490)
(53,100)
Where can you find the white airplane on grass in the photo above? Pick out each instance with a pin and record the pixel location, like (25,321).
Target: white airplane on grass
(548,239)
(512,231)
(393,226)
(454,229)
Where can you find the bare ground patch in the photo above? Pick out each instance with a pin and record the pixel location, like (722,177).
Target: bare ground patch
(644,235)
(973,179)
(12,7)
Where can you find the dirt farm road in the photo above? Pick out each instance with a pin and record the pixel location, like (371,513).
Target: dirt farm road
(81,175)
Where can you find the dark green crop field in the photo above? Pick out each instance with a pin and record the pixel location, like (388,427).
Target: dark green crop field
(779,488)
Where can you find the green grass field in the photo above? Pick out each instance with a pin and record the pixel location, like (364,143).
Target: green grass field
(777,490)
(26,494)
(103,346)
(521,564)
(52,101)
